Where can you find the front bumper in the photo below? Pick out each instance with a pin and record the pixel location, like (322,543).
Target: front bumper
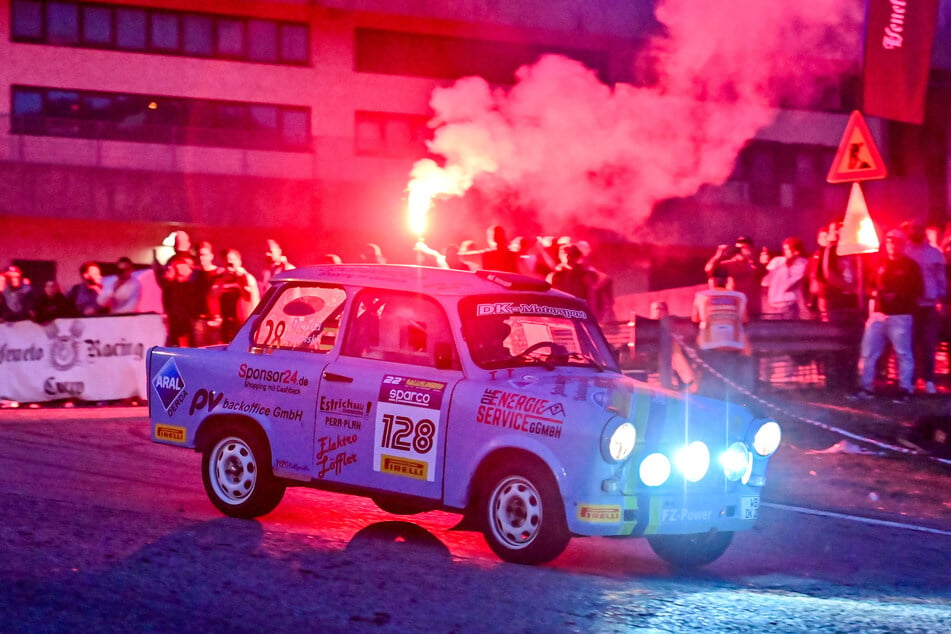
(665,513)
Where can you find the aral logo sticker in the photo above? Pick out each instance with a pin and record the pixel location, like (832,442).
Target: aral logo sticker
(168,383)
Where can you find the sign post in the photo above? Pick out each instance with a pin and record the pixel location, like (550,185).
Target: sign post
(857,159)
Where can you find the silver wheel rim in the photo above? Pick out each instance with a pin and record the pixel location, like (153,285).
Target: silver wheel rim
(233,470)
(515,512)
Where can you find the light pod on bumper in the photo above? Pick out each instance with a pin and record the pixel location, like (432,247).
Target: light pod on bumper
(764,437)
(617,440)
(737,462)
(654,470)
(693,461)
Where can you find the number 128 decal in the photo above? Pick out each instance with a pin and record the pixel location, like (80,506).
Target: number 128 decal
(407,426)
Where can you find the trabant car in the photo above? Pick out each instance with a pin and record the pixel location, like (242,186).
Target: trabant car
(483,393)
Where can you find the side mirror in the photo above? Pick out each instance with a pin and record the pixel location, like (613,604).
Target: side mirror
(443,353)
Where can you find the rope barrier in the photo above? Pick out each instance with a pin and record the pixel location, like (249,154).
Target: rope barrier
(694,356)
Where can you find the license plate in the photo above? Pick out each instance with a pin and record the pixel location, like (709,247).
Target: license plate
(749,507)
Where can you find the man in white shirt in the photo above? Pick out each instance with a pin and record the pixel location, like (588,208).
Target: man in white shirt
(785,298)
(125,294)
(721,312)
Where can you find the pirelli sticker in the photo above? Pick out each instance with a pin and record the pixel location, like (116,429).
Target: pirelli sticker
(171,433)
(599,513)
(416,469)
(406,429)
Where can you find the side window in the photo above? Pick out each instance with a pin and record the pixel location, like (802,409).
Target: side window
(400,327)
(302,318)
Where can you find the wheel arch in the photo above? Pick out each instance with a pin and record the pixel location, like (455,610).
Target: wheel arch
(210,427)
(496,458)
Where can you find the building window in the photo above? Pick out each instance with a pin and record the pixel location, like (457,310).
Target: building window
(43,111)
(26,18)
(199,35)
(262,41)
(130,28)
(442,57)
(164,31)
(97,25)
(295,43)
(62,23)
(390,134)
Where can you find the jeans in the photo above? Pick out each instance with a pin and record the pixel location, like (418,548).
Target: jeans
(927,327)
(879,329)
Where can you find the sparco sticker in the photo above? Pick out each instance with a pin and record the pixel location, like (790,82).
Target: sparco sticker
(407,425)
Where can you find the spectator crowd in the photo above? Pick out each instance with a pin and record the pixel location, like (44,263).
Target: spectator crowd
(905,288)
(900,300)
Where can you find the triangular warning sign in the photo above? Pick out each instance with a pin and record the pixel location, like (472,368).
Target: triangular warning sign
(858,233)
(857,158)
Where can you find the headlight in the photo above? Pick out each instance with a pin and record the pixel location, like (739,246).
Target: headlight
(736,461)
(766,438)
(655,469)
(693,461)
(617,441)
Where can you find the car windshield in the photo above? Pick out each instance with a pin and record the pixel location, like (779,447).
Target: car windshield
(517,330)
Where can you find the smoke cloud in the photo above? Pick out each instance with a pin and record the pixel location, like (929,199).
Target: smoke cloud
(568,149)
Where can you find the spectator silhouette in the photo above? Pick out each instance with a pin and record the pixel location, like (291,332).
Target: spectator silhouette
(17,295)
(52,304)
(85,295)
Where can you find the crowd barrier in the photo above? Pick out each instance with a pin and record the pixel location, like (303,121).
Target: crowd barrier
(84,359)
(793,351)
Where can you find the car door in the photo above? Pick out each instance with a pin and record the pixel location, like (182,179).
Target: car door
(291,343)
(383,402)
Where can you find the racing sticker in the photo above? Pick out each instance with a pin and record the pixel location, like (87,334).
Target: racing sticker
(171,433)
(607,513)
(526,414)
(170,386)
(407,427)
(511,308)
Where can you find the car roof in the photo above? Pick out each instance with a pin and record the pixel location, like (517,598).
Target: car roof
(424,279)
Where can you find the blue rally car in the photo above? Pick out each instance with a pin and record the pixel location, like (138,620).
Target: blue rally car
(482,393)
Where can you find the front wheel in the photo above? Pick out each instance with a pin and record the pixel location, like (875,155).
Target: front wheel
(523,514)
(236,473)
(690,551)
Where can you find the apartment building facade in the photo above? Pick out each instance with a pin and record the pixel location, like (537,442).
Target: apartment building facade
(124,120)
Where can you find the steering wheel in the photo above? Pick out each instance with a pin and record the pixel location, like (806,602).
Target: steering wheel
(556,351)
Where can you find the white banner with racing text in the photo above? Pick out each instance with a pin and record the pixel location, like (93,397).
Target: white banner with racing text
(88,358)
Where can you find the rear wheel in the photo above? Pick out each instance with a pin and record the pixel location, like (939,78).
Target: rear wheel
(690,551)
(523,514)
(236,473)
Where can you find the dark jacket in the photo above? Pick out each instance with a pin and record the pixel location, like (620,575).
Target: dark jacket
(897,286)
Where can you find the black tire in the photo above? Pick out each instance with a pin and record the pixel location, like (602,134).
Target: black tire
(522,514)
(690,551)
(236,473)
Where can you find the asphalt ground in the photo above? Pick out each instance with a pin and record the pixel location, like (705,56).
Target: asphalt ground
(877,459)
(837,455)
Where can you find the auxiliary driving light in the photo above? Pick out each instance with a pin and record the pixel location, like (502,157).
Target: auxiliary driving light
(618,444)
(736,461)
(655,469)
(766,439)
(693,461)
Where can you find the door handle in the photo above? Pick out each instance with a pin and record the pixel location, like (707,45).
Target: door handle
(330,376)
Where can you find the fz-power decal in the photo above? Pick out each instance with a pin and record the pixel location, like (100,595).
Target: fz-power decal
(406,429)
